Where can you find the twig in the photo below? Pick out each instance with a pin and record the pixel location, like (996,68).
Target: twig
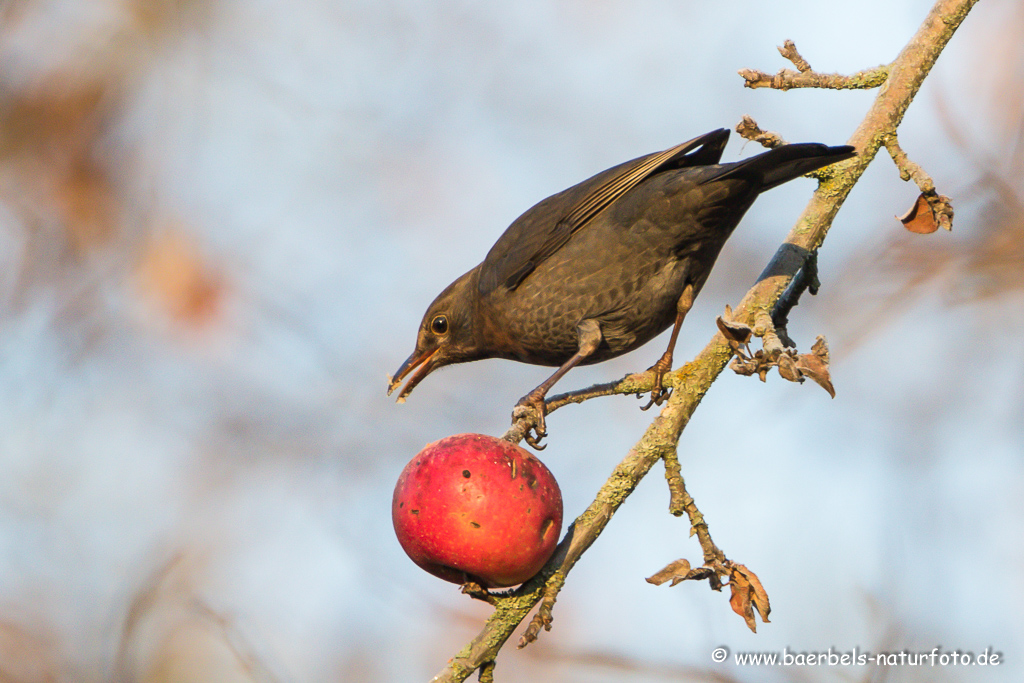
(789,51)
(637,383)
(699,527)
(787,79)
(749,130)
(805,77)
(940,206)
(908,169)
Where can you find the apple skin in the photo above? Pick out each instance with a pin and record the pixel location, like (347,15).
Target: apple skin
(472,507)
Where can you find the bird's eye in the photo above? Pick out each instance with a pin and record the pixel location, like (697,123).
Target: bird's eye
(439,325)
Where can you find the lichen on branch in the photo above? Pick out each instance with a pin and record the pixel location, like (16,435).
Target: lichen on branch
(806,77)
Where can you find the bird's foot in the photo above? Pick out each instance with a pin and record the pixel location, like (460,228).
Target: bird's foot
(530,412)
(659,392)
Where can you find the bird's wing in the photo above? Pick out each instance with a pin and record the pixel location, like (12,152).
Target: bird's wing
(545,228)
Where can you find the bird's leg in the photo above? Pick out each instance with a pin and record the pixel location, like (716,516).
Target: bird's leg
(589,333)
(664,364)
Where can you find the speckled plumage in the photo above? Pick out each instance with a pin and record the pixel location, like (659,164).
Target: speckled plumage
(618,250)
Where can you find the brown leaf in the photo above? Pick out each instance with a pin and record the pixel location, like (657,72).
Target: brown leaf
(740,599)
(701,573)
(760,595)
(788,368)
(733,331)
(747,595)
(812,366)
(815,365)
(820,348)
(920,218)
(675,572)
(743,367)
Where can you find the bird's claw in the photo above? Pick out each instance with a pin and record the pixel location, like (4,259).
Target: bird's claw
(658,396)
(535,441)
(530,412)
(659,392)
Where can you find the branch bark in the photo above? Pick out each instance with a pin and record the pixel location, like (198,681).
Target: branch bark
(905,76)
(806,77)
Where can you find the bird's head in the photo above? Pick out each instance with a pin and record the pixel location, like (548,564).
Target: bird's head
(448,334)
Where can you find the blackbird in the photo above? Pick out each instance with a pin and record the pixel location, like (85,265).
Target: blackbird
(601,268)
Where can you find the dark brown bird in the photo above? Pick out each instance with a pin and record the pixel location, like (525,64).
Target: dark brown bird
(601,268)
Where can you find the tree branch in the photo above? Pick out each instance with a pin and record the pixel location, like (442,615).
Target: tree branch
(806,77)
(692,381)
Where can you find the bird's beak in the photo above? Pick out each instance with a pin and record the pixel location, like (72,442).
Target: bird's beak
(420,361)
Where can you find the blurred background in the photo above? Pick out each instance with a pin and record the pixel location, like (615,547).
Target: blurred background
(220,223)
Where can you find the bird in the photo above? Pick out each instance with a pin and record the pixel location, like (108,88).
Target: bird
(601,268)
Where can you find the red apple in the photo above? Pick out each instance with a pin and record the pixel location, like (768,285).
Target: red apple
(473,507)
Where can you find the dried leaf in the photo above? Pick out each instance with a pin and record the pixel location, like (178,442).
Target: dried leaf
(740,600)
(942,207)
(701,573)
(920,218)
(812,366)
(788,368)
(741,366)
(675,572)
(820,348)
(733,331)
(760,595)
(815,365)
(747,595)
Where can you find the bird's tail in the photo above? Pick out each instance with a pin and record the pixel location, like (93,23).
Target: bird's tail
(782,164)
